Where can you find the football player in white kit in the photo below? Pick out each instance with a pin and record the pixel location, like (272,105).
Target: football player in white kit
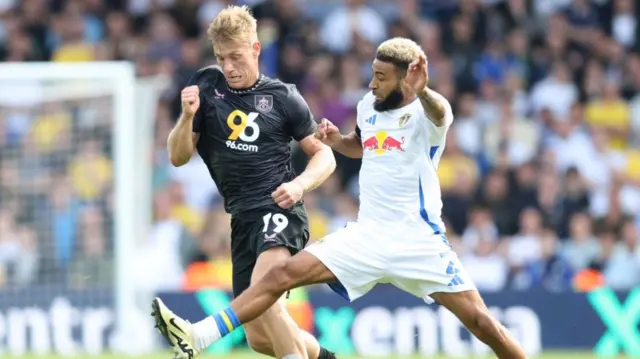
(399,237)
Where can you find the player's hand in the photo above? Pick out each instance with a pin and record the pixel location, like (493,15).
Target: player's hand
(417,75)
(288,194)
(328,133)
(190,97)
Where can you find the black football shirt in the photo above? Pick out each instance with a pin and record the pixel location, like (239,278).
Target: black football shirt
(245,136)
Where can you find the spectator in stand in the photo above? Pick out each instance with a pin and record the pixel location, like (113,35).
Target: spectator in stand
(91,172)
(518,136)
(581,248)
(480,228)
(556,92)
(92,265)
(526,246)
(611,113)
(455,163)
(343,26)
(487,268)
(552,271)
(620,261)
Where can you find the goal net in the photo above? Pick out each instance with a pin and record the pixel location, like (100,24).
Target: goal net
(73,205)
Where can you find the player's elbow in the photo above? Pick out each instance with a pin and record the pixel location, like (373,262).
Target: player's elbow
(330,159)
(327,158)
(440,120)
(180,147)
(177,160)
(177,163)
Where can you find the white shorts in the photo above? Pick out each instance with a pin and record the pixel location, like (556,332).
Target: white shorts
(407,255)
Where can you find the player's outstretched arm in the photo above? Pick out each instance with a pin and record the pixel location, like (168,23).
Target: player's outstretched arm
(182,139)
(348,145)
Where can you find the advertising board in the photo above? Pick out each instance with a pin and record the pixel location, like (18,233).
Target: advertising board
(55,320)
(387,321)
(384,322)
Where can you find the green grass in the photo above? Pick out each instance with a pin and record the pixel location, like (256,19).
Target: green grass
(247,355)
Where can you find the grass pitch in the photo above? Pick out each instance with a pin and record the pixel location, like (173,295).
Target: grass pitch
(249,355)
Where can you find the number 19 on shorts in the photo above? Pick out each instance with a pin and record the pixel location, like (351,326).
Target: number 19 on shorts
(279,220)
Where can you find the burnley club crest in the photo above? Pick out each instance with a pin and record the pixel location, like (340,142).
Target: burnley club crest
(263,103)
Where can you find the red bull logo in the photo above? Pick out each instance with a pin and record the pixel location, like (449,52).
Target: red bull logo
(382,142)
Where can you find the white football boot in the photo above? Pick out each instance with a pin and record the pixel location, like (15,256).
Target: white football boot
(177,331)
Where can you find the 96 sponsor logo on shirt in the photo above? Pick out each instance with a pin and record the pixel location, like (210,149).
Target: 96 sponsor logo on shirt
(247,130)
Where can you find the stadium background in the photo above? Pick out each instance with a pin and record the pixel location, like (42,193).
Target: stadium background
(540,178)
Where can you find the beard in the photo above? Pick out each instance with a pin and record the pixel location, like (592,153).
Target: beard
(392,101)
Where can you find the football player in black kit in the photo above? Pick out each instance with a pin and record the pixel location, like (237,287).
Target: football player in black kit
(241,123)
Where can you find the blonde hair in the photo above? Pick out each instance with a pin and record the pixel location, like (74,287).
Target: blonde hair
(399,50)
(235,23)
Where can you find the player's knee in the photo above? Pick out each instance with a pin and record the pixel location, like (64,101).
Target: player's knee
(258,340)
(484,323)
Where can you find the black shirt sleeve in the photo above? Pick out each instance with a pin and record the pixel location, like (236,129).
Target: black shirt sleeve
(358,133)
(200,79)
(299,116)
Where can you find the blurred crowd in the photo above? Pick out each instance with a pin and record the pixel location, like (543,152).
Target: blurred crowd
(540,177)
(56,193)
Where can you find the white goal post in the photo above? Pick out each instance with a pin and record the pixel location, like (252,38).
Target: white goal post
(131,140)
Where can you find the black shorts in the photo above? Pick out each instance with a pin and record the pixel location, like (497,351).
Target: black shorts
(265,228)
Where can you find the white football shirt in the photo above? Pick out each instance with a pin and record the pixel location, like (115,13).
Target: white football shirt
(401,151)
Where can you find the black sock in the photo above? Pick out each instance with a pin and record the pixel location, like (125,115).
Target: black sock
(325,354)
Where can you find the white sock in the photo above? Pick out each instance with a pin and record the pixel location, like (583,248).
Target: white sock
(291,356)
(205,332)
